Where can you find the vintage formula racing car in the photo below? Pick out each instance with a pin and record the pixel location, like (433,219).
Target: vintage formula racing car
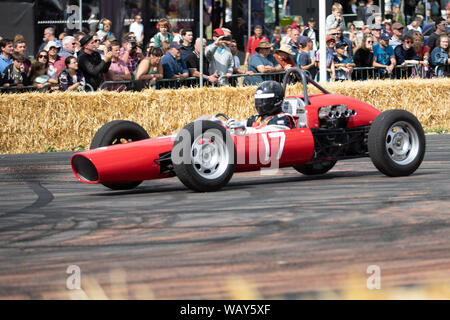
(205,154)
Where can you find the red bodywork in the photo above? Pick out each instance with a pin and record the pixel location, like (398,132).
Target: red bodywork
(136,161)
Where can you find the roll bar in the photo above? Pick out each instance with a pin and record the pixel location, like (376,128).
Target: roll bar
(299,73)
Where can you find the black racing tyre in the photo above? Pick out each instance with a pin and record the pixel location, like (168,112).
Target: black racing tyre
(204,156)
(314,168)
(396,143)
(117,132)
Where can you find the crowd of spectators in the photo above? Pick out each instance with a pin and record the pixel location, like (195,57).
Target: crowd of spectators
(84,61)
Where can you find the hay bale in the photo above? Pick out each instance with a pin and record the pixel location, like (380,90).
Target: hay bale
(65,121)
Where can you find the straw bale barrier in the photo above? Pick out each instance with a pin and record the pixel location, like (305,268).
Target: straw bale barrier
(33,122)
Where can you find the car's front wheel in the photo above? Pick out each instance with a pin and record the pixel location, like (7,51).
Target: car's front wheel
(118,132)
(204,156)
(396,143)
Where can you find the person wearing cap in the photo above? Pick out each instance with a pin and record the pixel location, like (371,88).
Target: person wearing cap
(52,48)
(173,66)
(341,38)
(343,64)
(262,62)
(221,61)
(311,32)
(331,71)
(253,43)
(440,29)
(384,56)
(91,63)
(396,39)
(375,29)
(283,56)
(304,60)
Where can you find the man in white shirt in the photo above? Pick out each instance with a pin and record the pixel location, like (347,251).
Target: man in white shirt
(137,28)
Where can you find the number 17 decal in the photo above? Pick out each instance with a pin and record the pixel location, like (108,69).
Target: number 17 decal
(280,135)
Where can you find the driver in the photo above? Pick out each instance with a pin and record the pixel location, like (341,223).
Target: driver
(269,98)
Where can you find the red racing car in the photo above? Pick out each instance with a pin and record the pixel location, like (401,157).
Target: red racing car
(205,154)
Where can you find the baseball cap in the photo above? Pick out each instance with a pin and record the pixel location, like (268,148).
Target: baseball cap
(311,19)
(385,36)
(304,41)
(52,44)
(175,45)
(218,32)
(330,38)
(341,44)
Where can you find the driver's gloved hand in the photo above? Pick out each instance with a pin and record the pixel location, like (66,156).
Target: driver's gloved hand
(233,124)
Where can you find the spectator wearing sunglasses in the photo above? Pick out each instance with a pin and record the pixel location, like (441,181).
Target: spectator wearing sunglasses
(441,27)
(396,39)
(405,53)
(90,62)
(68,50)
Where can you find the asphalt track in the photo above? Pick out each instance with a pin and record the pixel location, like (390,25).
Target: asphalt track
(289,235)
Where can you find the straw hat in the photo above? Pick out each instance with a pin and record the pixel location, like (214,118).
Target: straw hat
(286,49)
(263,45)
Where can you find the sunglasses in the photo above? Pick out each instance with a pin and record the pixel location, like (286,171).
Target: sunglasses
(408,42)
(369,41)
(41,56)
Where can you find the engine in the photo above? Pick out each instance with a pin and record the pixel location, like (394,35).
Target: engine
(335,116)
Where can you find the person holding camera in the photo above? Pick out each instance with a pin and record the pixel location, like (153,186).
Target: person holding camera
(118,71)
(221,60)
(129,52)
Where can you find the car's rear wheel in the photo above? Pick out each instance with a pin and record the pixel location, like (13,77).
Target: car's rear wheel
(396,143)
(315,168)
(204,156)
(118,132)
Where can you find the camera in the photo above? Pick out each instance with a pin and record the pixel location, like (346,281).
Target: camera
(133,43)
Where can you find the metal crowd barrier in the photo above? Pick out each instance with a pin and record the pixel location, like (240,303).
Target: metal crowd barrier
(359,73)
(138,85)
(23,89)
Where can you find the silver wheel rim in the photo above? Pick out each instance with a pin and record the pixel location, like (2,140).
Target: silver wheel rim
(209,156)
(402,143)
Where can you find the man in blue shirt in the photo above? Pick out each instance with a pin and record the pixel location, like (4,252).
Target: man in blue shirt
(173,66)
(262,62)
(384,56)
(6,49)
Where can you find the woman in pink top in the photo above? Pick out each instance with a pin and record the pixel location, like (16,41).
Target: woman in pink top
(118,71)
